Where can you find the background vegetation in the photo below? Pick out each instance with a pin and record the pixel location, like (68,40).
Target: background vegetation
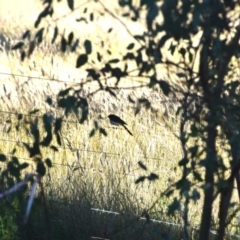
(88,165)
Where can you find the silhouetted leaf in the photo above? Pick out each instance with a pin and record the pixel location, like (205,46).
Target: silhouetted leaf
(70,38)
(3,158)
(58,124)
(129,55)
(182,51)
(184,186)
(83,104)
(20,117)
(92,133)
(180,183)
(193,150)
(152,177)
(48,162)
(81,19)
(41,169)
(82,59)
(54,148)
(50,11)
(195,195)
(165,87)
(127,14)
(139,37)
(55,34)
(130,46)
(99,57)
(153,81)
(14,171)
(17,126)
(107,68)
(24,165)
(116,60)
(15,160)
(169,193)
(27,146)
(35,150)
(140,179)
(63,44)
(130,99)
(47,11)
(58,139)
(70,4)
(75,169)
(10,181)
(63,103)
(93,74)
(91,17)
(47,123)
(181,75)
(39,35)
(141,165)
(183,162)
(145,68)
(118,73)
(190,57)
(88,46)
(139,59)
(162,41)
(197,176)
(103,131)
(13,151)
(64,92)
(49,101)
(111,91)
(75,45)
(175,206)
(125,69)
(144,102)
(194,130)
(34,111)
(31,47)
(123,3)
(23,55)
(137,111)
(27,34)
(172,48)
(47,140)
(96,124)
(9,129)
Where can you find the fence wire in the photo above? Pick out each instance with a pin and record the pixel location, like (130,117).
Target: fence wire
(89,151)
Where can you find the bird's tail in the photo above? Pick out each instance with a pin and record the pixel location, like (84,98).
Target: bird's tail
(127,130)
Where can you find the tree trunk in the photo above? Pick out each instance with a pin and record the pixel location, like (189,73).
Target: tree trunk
(237,177)
(209,181)
(223,208)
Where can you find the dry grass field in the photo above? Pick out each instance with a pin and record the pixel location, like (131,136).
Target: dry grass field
(97,172)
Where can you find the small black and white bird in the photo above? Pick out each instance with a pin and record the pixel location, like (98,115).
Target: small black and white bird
(117,121)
